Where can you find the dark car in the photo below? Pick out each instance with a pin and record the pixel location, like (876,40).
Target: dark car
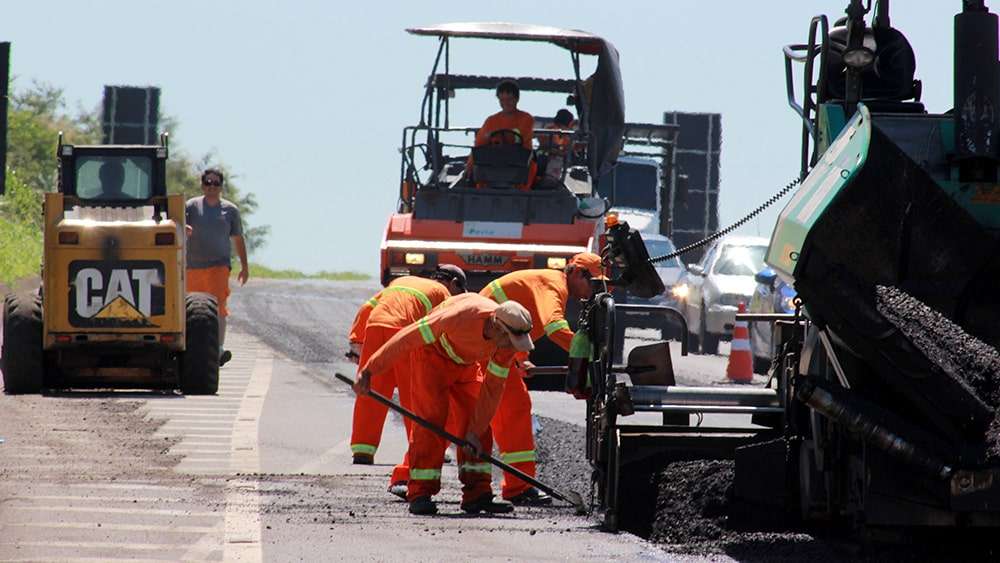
(772,295)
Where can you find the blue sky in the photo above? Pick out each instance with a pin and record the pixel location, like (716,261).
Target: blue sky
(305,101)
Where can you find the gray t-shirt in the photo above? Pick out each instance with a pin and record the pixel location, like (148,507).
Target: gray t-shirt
(212,226)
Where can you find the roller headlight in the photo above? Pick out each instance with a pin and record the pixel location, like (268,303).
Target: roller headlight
(414,258)
(555,263)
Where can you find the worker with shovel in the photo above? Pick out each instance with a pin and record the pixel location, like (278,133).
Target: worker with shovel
(444,350)
(544,293)
(401,304)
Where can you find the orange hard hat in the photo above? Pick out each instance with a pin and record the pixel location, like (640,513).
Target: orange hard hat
(590,262)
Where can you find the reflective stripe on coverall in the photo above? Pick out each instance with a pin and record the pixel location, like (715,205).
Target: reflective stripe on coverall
(544,294)
(445,350)
(403,302)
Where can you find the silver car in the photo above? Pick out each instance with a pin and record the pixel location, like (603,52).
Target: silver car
(671,272)
(711,290)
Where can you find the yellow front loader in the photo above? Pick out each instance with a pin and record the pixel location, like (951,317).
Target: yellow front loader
(112,310)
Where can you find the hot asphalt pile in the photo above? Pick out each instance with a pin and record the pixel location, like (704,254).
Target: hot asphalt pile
(958,354)
(562,462)
(691,503)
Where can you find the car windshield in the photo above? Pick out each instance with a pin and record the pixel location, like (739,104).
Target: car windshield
(630,184)
(739,260)
(661,248)
(114,177)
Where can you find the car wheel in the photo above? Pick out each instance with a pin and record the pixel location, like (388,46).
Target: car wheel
(709,341)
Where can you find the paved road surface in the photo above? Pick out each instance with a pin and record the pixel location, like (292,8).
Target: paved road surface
(261,471)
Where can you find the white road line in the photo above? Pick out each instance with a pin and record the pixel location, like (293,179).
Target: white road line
(125,499)
(114,546)
(116,527)
(130,485)
(106,510)
(243,534)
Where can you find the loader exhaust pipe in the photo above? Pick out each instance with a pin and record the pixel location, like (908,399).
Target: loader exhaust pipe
(837,409)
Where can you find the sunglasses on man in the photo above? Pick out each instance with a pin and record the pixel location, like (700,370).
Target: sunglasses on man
(211,182)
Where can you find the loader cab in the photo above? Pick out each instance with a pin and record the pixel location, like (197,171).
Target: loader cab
(112,175)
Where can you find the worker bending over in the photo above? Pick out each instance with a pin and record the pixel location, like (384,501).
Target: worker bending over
(444,351)
(544,293)
(402,303)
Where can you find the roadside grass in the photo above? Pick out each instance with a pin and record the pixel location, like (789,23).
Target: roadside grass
(20,251)
(260,271)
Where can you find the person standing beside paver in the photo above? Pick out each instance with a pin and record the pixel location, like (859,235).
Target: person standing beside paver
(544,293)
(213,227)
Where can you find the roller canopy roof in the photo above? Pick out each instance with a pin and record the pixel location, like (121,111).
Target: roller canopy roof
(574,40)
(605,106)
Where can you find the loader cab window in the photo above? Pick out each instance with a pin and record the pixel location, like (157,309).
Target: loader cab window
(114,178)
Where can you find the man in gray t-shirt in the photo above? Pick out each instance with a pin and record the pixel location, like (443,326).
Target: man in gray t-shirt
(213,226)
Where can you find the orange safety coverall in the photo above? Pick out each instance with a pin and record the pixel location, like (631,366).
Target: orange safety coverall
(213,280)
(445,349)
(544,294)
(406,300)
(521,121)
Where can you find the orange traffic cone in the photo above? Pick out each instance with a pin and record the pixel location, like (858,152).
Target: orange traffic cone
(740,368)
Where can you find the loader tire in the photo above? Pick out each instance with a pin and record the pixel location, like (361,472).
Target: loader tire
(21,356)
(200,360)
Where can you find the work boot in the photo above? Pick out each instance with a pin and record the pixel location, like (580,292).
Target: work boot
(423,506)
(225,357)
(363,459)
(398,489)
(531,497)
(485,503)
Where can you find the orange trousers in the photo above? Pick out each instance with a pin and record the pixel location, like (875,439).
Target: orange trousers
(214,280)
(512,432)
(369,415)
(439,388)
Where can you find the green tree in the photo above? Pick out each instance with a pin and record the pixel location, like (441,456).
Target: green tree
(38,114)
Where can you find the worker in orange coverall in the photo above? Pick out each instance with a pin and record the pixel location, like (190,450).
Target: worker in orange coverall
(544,293)
(403,302)
(444,351)
(509,126)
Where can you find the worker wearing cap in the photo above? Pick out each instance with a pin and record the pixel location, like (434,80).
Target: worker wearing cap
(544,293)
(402,303)
(444,351)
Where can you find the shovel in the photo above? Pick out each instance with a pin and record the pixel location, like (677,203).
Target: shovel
(571,497)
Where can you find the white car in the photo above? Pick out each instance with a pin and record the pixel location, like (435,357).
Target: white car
(711,290)
(670,272)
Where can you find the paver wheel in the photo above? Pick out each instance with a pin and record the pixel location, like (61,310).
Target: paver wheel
(23,365)
(200,361)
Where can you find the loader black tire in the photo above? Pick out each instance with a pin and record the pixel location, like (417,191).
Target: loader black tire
(21,355)
(200,360)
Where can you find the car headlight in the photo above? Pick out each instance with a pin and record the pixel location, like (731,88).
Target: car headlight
(680,291)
